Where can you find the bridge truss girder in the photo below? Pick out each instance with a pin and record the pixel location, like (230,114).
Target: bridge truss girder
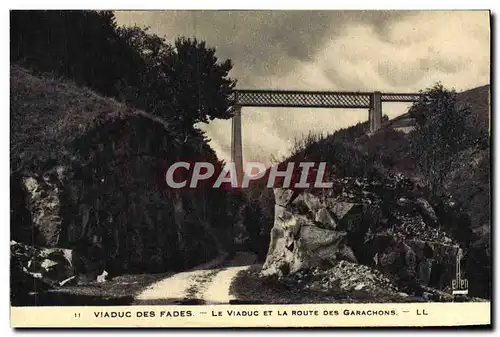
(308,99)
(316,99)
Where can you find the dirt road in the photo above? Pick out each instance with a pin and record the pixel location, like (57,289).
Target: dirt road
(200,286)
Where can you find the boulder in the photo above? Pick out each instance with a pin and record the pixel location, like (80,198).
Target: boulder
(103,277)
(324,219)
(58,266)
(50,265)
(289,221)
(306,201)
(348,215)
(43,194)
(427,211)
(283,196)
(342,210)
(312,237)
(310,247)
(303,237)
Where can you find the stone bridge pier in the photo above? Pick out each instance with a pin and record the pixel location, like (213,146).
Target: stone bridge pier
(375,111)
(236,142)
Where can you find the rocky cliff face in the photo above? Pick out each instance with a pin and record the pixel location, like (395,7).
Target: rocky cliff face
(90,177)
(122,206)
(384,225)
(43,201)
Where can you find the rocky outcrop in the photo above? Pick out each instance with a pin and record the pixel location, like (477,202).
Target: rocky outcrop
(55,267)
(43,203)
(118,231)
(90,176)
(51,266)
(425,263)
(379,225)
(301,241)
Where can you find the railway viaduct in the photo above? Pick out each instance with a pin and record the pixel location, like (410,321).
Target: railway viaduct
(308,99)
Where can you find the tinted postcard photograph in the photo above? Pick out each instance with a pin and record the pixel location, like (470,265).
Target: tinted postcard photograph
(258,168)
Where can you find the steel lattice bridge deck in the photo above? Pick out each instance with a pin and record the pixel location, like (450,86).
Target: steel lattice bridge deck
(316,99)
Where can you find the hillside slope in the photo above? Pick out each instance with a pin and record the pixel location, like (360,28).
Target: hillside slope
(478,99)
(383,161)
(87,174)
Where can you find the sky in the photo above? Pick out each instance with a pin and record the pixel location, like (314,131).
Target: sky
(388,51)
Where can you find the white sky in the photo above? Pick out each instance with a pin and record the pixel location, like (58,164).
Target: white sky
(391,51)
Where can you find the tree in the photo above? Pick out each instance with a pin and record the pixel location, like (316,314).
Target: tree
(200,82)
(184,83)
(80,45)
(440,133)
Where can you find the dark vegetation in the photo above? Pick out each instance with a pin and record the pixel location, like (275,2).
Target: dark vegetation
(98,156)
(183,83)
(441,126)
